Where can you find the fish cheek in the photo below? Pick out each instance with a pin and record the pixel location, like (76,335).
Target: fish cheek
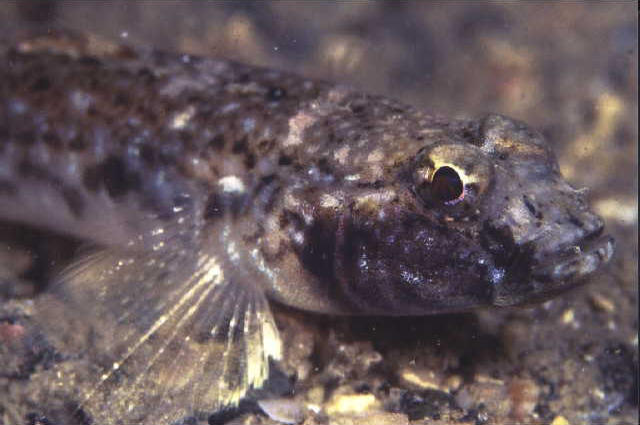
(407,268)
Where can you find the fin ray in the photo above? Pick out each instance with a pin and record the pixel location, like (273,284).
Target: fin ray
(191,336)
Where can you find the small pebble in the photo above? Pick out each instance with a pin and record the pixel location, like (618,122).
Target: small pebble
(602,303)
(283,410)
(351,404)
(560,420)
(420,379)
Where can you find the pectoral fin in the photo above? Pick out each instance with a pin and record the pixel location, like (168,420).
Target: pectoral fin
(175,332)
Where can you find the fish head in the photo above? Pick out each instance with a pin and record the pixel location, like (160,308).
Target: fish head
(537,227)
(481,218)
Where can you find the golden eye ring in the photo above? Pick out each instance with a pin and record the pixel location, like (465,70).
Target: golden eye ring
(449,176)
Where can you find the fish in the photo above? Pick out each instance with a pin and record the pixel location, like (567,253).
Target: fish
(210,189)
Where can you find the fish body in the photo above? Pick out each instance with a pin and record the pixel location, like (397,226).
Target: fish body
(211,186)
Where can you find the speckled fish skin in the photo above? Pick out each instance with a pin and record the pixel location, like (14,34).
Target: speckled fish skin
(310,193)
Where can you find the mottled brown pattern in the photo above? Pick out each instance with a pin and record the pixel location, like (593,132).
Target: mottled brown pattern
(233,182)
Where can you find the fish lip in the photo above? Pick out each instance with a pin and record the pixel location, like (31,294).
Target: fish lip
(557,273)
(575,260)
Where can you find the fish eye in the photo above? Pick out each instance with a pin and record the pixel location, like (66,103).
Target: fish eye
(446,185)
(451,176)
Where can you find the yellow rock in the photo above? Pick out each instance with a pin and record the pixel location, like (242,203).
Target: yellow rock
(560,420)
(568,316)
(351,404)
(422,379)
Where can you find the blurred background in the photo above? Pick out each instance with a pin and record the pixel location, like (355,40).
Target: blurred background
(569,69)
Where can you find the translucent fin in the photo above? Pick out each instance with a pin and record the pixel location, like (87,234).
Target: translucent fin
(175,333)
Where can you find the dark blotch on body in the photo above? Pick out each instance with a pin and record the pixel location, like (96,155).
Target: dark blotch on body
(267,191)
(250,161)
(531,207)
(41,84)
(318,253)
(240,146)
(285,160)
(28,169)
(121,99)
(89,61)
(500,243)
(78,144)
(113,175)
(149,154)
(220,204)
(146,76)
(573,219)
(52,140)
(275,93)
(74,201)
(217,142)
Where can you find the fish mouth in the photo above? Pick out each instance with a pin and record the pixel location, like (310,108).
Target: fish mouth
(556,272)
(576,260)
